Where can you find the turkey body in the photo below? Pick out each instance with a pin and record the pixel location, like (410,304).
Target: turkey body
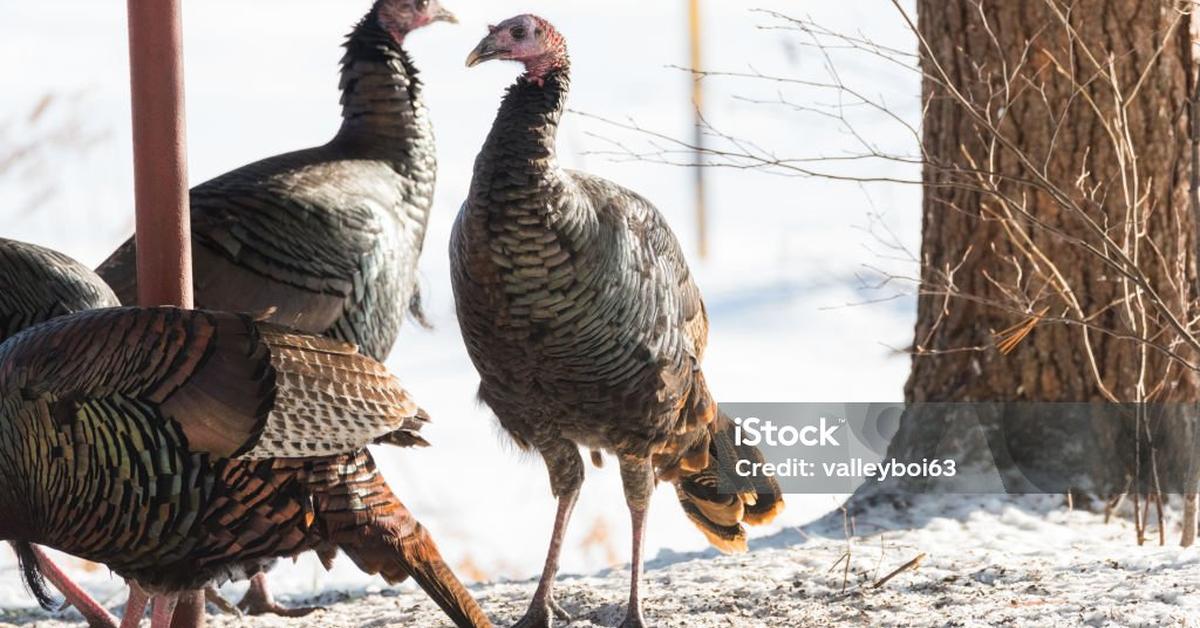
(578,309)
(326,240)
(38,284)
(575,301)
(185,448)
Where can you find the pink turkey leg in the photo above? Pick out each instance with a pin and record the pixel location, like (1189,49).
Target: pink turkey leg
(162,609)
(96,615)
(135,607)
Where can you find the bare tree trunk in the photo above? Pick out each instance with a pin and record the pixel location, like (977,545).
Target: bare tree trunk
(1049,78)
(1189,520)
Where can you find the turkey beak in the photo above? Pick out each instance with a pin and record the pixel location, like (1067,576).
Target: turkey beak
(485,51)
(443,15)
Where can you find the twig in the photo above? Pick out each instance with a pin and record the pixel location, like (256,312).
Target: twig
(912,564)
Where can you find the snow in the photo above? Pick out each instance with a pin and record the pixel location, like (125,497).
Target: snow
(788,255)
(1027,561)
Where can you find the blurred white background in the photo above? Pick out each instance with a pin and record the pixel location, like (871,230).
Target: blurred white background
(788,254)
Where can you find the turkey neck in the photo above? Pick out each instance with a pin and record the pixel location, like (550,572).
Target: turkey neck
(519,157)
(381,95)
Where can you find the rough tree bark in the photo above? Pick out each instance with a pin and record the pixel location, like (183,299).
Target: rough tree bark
(955,356)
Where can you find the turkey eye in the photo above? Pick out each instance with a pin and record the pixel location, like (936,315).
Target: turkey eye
(518,32)
(422,5)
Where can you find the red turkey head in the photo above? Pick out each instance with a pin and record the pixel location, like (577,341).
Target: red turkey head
(526,38)
(401,17)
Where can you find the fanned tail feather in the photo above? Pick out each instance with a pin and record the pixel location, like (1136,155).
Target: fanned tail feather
(333,398)
(715,497)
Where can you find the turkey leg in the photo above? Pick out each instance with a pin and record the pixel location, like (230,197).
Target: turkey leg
(189,610)
(96,615)
(637,478)
(566,476)
(162,608)
(135,606)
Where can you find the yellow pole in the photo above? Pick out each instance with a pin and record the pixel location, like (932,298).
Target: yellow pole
(698,108)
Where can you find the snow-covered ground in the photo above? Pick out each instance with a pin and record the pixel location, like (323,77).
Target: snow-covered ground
(987,562)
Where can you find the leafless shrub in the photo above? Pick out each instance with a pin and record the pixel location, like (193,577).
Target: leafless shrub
(32,143)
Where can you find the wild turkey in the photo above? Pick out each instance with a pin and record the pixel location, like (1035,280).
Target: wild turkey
(183,448)
(38,284)
(580,314)
(326,239)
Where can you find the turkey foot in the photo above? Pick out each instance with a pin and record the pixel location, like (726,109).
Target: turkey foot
(214,597)
(633,620)
(538,617)
(558,610)
(259,601)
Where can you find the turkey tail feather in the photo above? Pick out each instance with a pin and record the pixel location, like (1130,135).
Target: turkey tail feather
(392,543)
(769,501)
(396,555)
(718,500)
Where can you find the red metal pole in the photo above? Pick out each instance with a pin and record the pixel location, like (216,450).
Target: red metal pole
(164,245)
